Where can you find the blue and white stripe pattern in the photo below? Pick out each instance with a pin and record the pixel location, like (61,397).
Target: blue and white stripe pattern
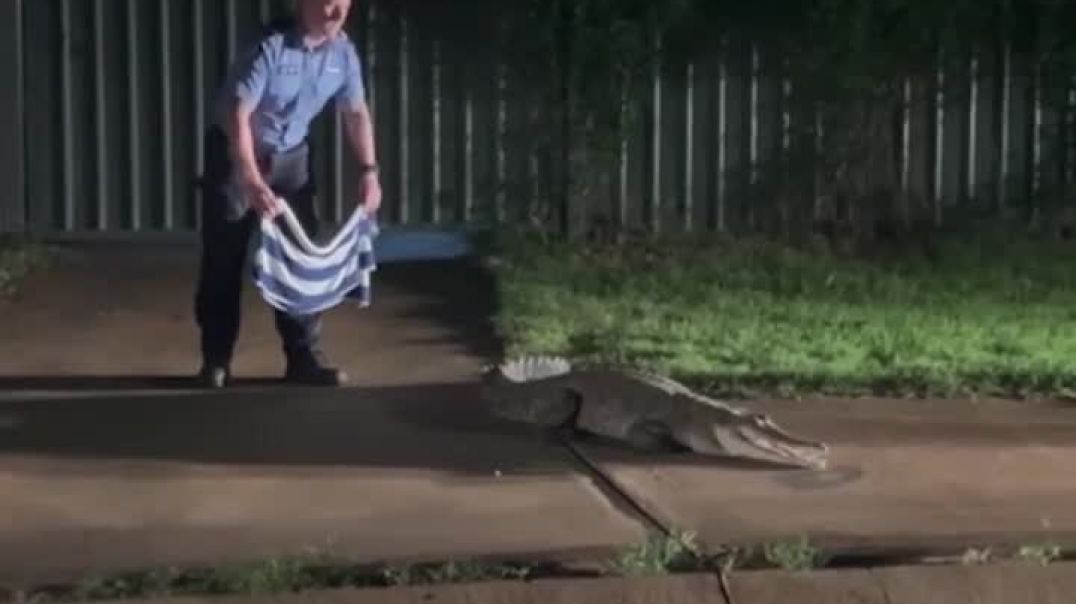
(299,277)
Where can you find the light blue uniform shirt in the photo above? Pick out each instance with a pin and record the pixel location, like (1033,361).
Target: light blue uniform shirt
(288,84)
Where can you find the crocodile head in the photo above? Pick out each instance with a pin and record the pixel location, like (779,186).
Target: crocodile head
(521,390)
(756,436)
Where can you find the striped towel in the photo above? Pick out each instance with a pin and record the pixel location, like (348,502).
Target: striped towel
(299,277)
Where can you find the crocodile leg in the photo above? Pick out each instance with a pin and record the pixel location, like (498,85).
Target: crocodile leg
(654,437)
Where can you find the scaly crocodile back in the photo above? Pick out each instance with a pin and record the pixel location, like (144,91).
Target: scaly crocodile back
(529,369)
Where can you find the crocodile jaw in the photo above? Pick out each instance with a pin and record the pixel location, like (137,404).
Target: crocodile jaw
(759,437)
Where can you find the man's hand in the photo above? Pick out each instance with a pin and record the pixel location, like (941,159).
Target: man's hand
(370,192)
(260,196)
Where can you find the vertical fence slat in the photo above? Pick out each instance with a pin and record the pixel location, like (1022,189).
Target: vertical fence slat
(133,116)
(939,139)
(100,113)
(198,32)
(1070,131)
(622,164)
(533,169)
(168,169)
(721,148)
(753,136)
(786,114)
(689,149)
(1036,134)
(906,136)
(17,155)
(68,142)
(786,137)
(500,142)
(753,143)
(468,152)
(405,123)
(973,128)
(1006,135)
(655,144)
(435,136)
(819,142)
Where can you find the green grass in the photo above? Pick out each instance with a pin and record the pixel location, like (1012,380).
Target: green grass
(657,555)
(991,318)
(17,260)
(1042,554)
(797,556)
(272,576)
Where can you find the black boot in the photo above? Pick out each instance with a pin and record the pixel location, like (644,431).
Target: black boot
(310,368)
(213,376)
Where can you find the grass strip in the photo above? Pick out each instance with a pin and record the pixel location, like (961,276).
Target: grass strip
(658,555)
(750,317)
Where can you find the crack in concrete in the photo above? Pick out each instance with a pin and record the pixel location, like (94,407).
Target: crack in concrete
(881,586)
(621,499)
(616,494)
(726,589)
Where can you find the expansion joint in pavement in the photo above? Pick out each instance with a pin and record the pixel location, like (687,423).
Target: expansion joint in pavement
(726,589)
(620,498)
(614,492)
(881,585)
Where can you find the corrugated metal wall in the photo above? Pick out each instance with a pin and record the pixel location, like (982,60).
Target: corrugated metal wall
(116,95)
(103,125)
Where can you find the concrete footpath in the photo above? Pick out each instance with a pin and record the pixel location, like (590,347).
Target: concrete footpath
(1007,584)
(1002,584)
(903,475)
(108,462)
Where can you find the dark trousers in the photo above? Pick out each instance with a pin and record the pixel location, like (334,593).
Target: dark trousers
(225,236)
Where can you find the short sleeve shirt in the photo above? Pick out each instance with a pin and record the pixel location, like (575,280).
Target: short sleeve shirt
(288,84)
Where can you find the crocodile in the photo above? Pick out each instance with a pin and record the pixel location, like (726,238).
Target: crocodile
(649,412)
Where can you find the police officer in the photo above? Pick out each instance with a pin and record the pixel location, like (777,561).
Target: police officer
(256,150)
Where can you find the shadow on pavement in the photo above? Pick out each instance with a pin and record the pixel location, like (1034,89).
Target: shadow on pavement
(92,385)
(432,427)
(459,294)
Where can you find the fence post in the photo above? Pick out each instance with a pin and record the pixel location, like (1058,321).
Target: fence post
(12,160)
